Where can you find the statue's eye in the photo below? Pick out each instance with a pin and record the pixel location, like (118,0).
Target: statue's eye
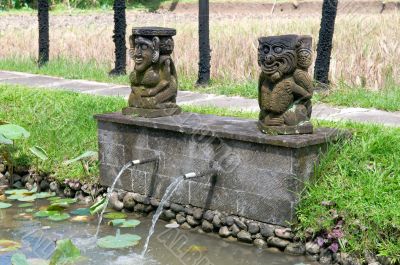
(278,49)
(266,49)
(144,47)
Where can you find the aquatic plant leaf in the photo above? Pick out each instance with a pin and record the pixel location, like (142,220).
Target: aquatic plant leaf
(25,205)
(116,215)
(118,241)
(88,155)
(59,217)
(98,206)
(8,246)
(16,191)
(116,222)
(81,212)
(58,207)
(42,214)
(30,198)
(19,259)
(44,195)
(13,132)
(54,198)
(196,248)
(39,152)
(130,224)
(65,201)
(29,210)
(65,253)
(4,205)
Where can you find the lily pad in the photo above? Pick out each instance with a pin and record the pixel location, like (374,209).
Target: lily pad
(115,215)
(19,259)
(31,198)
(118,241)
(43,195)
(59,217)
(66,253)
(16,191)
(25,205)
(116,222)
(4,205)
(130,224)
(29,210)
(58,207)
(65,201)
(8,246)
(42,214)
(81,212)
(54,198)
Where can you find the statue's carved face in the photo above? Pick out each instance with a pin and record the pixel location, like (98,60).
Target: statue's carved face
(143,54)
(276,58)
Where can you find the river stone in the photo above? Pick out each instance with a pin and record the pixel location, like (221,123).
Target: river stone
(140,208)
(234,230)
(229,221)
(185,226)
(254,228)
(224,232)
(277,242)
(297,249)
(114,202)
(244,236)
(180,219)
(169,214)
(17,177)
(207,226)
(198,213)
(284,233)
(3,180)
(129,201)
(139,198)
(121,194)
(17,185)
(2,168)
(189,210)
(216,221)
(177,208)
(312,248)
(259,243)
(28,186)
(193,222)
(44,185)
(154,202)
(208,215)
(54,186)
(240,224)
(267,230)
(69,193)
(325,258)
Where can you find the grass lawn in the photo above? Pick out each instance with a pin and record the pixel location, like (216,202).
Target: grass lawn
(387,98)
(361,176)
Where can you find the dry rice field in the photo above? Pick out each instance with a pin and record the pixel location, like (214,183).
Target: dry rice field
(366,46)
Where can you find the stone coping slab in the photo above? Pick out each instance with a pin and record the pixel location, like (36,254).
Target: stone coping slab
(225,127)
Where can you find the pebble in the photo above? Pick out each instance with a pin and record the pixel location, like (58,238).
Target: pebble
(139,198)
(185,226)
(154,202)
(207,226)
(198,213)
(284,233)
(115,203)
(191,221)
(217,221)
(297,249)
(208,215)
(260,243)
(44,185)
(240,224)
(277,242)
(267,230)
(180,219)
(224,232)
(140,208)
(129,201)
(2,168)
(234,230)
(244,236)
(17,185)
(312,248)
(54,187)
(229,220)
(253,228)
(177,208)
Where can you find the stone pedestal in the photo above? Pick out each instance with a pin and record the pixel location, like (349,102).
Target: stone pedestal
(261,176)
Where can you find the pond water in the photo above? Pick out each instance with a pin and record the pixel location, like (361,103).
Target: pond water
(167,246)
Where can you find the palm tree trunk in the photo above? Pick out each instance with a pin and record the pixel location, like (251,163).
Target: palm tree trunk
(119,38)
(43,17)
(324,49)
(204,43)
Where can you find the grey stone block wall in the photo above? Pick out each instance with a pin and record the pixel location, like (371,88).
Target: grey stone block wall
(261,177)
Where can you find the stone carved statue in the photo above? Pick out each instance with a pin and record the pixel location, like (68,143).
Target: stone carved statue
(285,88)
(154,80)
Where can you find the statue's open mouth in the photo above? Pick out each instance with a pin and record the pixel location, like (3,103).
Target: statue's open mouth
(138,60)
(271,68)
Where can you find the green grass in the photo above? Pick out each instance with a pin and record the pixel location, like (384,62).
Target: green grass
(361,175)
(387,98)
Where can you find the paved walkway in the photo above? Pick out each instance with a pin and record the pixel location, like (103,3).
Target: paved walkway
(320,111)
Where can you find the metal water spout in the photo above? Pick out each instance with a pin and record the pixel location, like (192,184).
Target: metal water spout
(144,161)
(214,170)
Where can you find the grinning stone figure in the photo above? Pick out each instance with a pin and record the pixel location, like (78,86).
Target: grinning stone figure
(285,88)
(154,81)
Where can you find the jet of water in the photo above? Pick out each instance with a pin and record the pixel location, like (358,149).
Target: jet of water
(167,195)
(124,168)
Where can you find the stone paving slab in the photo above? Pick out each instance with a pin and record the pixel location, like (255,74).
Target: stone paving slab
(320,111)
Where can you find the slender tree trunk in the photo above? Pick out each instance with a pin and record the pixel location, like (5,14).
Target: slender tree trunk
(204,43)
(119,38)
(324,49)
(43,16)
